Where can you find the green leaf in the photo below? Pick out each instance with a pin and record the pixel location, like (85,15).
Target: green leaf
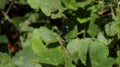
(84,44)
(32,17)
(72,34)
(52,56)
(93,30)
(34,4)
(48,56)
(83,20)
(117,24)
(36,42)
(2,4)
(68,62)
(6,61)
(98,52)
(84,3)
(102,38)
(73,46)
(17,20)
(80,47)
(108,62)
(26,58)
(3,39)
(51,8)
(70,4)
(118,58)
(23,27)
(110,29)
(47,35)
(58,15)
(22,1)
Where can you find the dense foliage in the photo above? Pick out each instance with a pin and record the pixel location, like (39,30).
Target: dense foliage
(59,33)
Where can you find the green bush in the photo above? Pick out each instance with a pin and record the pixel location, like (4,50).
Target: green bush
(59,33)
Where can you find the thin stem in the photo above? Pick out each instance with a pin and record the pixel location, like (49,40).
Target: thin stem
(114,17)
(66,53)
(9,7)
(60,42)
(81,32)
(64,50)
(84,33)
(6,16)
(117,4)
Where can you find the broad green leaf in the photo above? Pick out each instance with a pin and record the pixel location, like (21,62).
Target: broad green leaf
(51,8)
(83,49)
(107,62)
(83,20)
(22,1)
(2,4)
(3,39)
(17,20)
(6,61)
(72,34)
(110,29)
(97,8)
(32,17)
(117,25)
(36,42)
(23,27)
(35,4)
(93,29)
(98,52)
(118,58)
(26,58)
(84,3)
(58,15)
(102,38)
(70,4)
(68,62)
(47,35)
(80,47)
(25,43)
(52,56)
(73,46)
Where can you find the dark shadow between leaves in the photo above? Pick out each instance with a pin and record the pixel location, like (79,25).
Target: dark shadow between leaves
(113,47)
(88,61)
(53,45)
(79,64)
(3,48)
(50,65)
